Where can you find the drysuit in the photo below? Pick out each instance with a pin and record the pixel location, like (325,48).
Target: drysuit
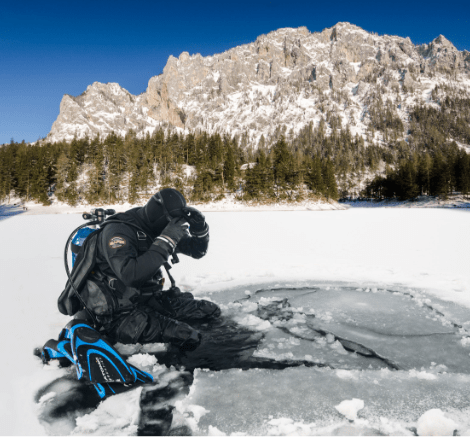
(134,308)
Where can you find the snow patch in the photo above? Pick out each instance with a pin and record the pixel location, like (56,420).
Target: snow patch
(434,422)
(350,408)
(422,375)
(118,415)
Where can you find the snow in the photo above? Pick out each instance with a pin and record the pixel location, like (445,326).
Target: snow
(376,272)
(105,421)
(350,408)
(356,66)
(434,422)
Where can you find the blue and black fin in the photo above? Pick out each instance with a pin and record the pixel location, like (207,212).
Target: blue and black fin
(107,389)
(56,350)
(96,360)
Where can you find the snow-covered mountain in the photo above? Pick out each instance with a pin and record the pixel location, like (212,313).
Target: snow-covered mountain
(288,77)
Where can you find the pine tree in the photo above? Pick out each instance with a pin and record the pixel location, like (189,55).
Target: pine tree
(424,173)
(229,166)
(329,180)
(407,188)
(439,179)
(63,167)
(95,189)
(283,165)
(463,173)
(115,164)
(314,176)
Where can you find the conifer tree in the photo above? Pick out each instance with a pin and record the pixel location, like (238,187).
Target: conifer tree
(96,172)
(329,180)
(407,188)
(229,165)
(439,180)
(63,167)
(463,173)
(424,173)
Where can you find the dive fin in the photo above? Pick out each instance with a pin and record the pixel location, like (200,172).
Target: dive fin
(54,349)
(107,389)
(97,361)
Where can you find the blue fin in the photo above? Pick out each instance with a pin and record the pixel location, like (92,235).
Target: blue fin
(57,349)
(97,361)
(113,388)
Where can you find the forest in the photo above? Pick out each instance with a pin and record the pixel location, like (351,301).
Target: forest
(320,162)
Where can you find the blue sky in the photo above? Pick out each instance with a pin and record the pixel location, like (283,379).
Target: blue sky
(52,48)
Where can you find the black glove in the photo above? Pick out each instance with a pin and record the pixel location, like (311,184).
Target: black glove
(174,232)
(195,218)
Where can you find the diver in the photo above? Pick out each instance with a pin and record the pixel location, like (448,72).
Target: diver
(125,288)
(115,291)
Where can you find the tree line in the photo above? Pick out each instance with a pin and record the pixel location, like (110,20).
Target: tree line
(320,161)
(439,175)
(128,169)
(429,162)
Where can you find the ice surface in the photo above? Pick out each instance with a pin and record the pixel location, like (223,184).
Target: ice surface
(380,323)
(261,250)
(245,401)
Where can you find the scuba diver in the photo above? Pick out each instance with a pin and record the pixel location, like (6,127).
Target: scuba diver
(115,290)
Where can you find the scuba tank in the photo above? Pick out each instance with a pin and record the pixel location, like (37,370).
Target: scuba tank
(78,240)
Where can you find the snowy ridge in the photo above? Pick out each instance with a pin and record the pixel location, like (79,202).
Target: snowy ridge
(287,78)
(101,109)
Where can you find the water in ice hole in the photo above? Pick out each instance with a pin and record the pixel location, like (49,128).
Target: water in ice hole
(339,327)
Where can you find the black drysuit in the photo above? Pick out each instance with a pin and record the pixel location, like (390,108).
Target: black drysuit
(130,263)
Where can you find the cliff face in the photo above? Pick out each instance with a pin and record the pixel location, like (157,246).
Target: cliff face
(289,77)
(101,109)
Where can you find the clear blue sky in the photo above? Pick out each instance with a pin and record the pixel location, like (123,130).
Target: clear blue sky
(52,48)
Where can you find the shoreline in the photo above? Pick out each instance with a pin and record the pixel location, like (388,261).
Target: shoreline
(222,206)
(454,202)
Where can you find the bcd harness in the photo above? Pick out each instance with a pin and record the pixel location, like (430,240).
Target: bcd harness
(71,301)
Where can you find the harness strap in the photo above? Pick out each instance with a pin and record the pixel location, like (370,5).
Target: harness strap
(142,238)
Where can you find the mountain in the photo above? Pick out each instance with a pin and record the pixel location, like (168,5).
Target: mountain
(287,78)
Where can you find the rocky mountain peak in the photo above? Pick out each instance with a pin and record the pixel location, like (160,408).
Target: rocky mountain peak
(288,77)
(443,41)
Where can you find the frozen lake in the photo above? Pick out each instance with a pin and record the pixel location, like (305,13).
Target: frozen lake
(319,308)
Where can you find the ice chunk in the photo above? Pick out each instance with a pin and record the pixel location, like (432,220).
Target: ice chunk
(191,412)
(350,408)
(253,322)
(152,348)
(345,374)
(434,422)
(213,431)
(422,375)
(118,415)
(142,360)
(286,426)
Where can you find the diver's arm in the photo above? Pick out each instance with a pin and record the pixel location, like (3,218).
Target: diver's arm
(120,248)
